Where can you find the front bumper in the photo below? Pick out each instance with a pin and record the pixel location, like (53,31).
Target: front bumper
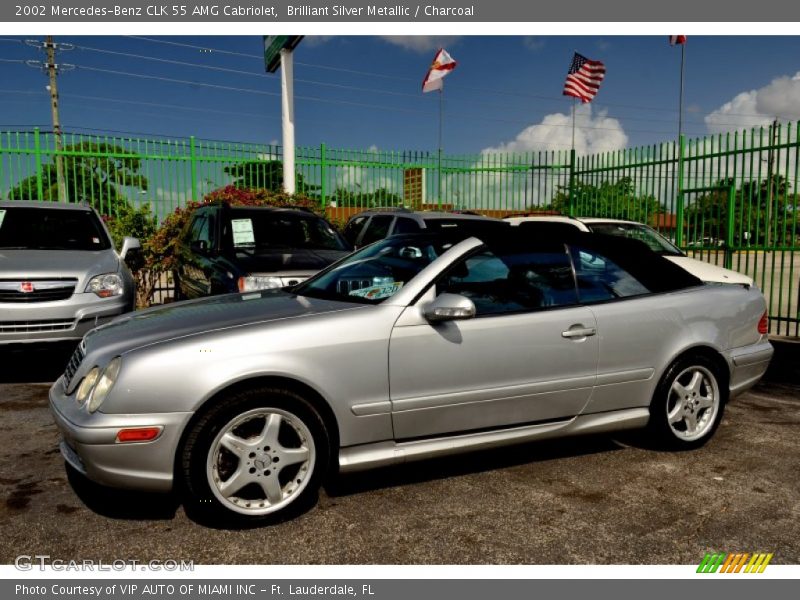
(748,365)
(89,444)
(61,320)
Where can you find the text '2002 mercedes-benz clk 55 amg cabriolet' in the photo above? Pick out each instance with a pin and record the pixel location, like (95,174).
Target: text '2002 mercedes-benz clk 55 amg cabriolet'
(413,347)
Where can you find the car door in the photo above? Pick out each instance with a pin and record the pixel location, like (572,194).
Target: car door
(528,356)
(634,326)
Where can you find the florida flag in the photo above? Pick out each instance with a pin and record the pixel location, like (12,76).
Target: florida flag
(442,64)
(677,40)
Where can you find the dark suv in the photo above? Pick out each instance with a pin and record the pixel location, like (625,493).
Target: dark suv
(373,225)
(242,248)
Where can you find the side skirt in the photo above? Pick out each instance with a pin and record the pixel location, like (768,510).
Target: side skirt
(380,454)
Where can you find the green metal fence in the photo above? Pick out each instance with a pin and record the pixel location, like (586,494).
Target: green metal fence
(729,199)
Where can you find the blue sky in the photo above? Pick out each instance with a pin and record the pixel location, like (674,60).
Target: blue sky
(361,92)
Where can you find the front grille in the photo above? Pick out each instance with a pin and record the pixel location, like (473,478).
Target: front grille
(43,290)
(72,366)
(345,286)
(40,326)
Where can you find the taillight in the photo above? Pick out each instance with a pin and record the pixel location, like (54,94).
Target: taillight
(763,323)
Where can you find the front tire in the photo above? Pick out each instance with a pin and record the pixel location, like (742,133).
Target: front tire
(688,404)
(257,456)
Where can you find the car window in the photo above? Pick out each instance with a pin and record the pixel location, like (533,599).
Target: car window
(502,281)
(200,230)
(257,230)
(654,240)
(600,279)
(51,229)
(353,228)
(377,229)
(406,225)
(377,272)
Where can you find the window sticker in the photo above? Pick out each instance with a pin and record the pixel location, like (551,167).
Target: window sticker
(2,216)
(95,240)
(243,232)
(378,292)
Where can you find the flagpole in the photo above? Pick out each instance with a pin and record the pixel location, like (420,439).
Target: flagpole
(441,119)
(574,101)
(680,93)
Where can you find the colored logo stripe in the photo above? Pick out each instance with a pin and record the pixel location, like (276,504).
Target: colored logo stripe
(734,563)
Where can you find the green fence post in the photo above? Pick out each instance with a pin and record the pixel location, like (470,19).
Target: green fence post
(323,173)
(679,199)
(571,210)
(729,234)
(37,148)
(193,160)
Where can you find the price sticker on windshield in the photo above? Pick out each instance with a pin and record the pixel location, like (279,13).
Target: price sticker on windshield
(378,292)
(243,232)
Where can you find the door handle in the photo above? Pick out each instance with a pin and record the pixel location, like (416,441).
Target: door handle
(577,331)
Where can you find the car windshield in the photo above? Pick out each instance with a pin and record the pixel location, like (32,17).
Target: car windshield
(26,228)
(636,231)
(378,271)
(266,230)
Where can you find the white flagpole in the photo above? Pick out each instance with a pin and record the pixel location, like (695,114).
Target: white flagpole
(680,93)
(441,119)
(574,102)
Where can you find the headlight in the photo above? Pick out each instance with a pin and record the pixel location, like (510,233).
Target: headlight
(252,283)
(106,285)
(105,384)
(87,385)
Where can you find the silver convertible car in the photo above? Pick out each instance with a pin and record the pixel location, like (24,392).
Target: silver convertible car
(413,347)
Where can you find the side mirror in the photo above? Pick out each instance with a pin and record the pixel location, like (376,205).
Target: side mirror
(449,307)
(199,246)
(131,253)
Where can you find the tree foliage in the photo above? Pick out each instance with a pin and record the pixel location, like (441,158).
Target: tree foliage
(614,200)
(99,176)
(265,174)
(379,197)
(707,214)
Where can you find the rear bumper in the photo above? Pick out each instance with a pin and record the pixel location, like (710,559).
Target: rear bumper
(62,320)
(89,444)
(748,365)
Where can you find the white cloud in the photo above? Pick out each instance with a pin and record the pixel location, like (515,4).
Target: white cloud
(317,40)
(593,133)
(422,43)
(533,42)
(780,98)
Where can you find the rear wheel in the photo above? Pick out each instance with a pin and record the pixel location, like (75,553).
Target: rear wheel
(689,402)
(257,456)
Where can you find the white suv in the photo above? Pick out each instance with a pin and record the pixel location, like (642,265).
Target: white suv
(59,273)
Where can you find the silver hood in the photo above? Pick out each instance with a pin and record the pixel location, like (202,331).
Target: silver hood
(182,319)
(56,264)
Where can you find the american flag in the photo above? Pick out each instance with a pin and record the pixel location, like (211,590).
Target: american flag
(583,78)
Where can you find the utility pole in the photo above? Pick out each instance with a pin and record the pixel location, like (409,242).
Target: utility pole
(50,48)
(52,68)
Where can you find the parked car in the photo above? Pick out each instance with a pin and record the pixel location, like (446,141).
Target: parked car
(241,249)
(376,224)
(414,347)
(59,273)
(648,235)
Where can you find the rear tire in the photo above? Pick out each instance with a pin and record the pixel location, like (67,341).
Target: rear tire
(257,456)
(688,403)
